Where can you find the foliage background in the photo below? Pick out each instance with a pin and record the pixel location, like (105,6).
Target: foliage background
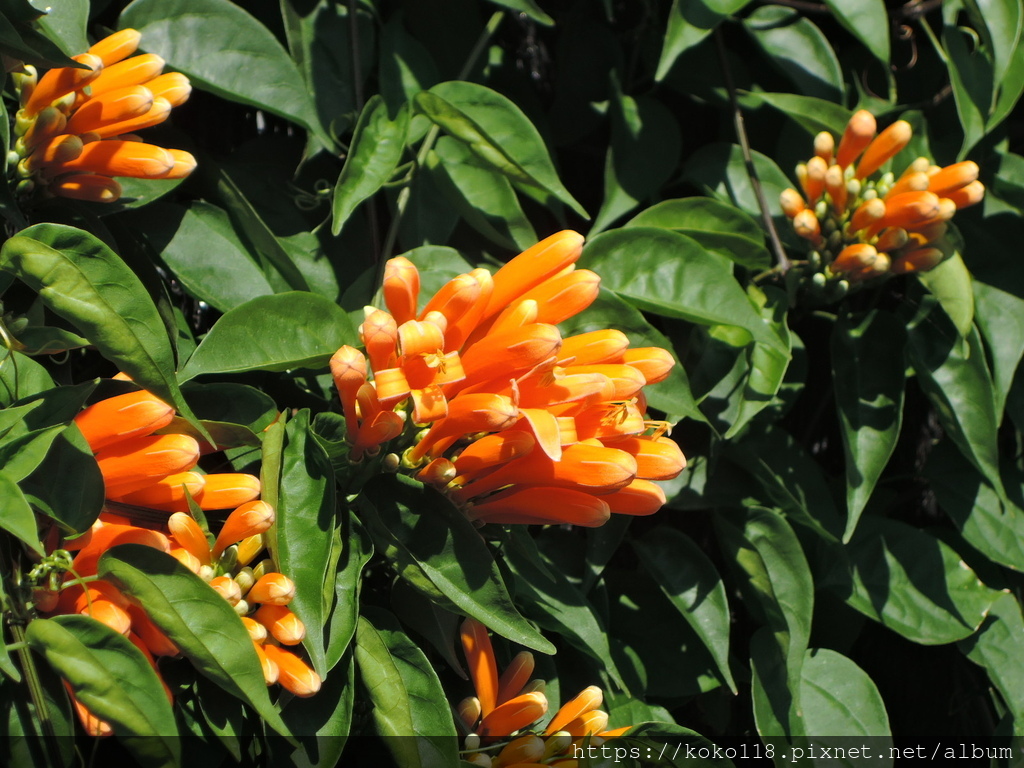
(841,558)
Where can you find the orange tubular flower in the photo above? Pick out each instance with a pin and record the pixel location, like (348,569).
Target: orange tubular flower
(77,125)
(501,402)
(868,224)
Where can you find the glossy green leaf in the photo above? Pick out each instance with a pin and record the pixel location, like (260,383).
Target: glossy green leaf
(868,21)
(971,77)
(482,196)
(718,227)
(407,697)
(673,743)
(798,48)
(24,743)
(997,646)
(950,283)
(792,480)
(609,310)
(690,581)
(374,153)
(813,114)
(839,699)
(321,723)
(74,506)
(64,23)
(405,69)
(426,537)
(1000,318)
(994,527)
(689,22)
(21,376)
(226,51)
(305,521)
(664,272)
(198,621)
(232,404)
(80,279)
(914,584)
(273,333)
(868,378)
(555,603)
(500,134)
(16,516)
(775,689)
(111,677)
(953,374)
(356,551)
(185,238)
(642,155)
(21,455)
(21,40)
(440,628)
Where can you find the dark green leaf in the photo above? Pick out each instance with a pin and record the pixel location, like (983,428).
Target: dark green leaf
(111,677)
(273,333)
(16,515)
(21,376)
(437,549)
(357,549)
(970,74)
(689,22)
(500,134)
(813,114)
(374,153)
(74,505)
(666,740)
(867,374)
(950,283)
(690,581)
(321,723)
(799,49)
(198,621)
(407,697)
(868,21)
(839,699)
(64,23)
(997,646)
(1000,318)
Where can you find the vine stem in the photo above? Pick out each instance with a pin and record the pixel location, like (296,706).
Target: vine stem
(428,145)
(781,258)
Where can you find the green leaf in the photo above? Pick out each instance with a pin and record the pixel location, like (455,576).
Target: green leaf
(811,113)
(868,378)
(868,21)
(321,723)
(971,77)
(500,134)
(273,333)
(993,526)
(775,689)
(231,403)
(21,455)
(198,621)
(799,49)
(357,549)
(75,506)
(227,52)
(185,238)
(661,271)
(305,522)
(840,700)
(689,22)
(791,479)
(482,196)
(720,228)
(64,23)
(21,376)
(953,374)
(667,740)
(407,697)
(998,646)
(672,395)
(111,677)
(556,604)
(642,155)
(373,155)
(16,516)
(950,283)
(428,540)
(84,282)
(688,578)
(1000,318)
(914,584)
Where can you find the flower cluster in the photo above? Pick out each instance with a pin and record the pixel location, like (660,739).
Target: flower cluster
(76,126)
(149,469)
(514,423)
(863,226)
(506,706)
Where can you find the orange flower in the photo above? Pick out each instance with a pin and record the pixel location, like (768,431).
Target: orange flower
(503,398)
(75,130)
(865,226)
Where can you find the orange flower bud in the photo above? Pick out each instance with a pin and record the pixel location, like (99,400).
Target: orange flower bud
(61,81)
(249,547)
(227,588)
(227,490)
(187,533)
(587,700)
(532,267)
(654,363)
(295,676)
(249,519)
(640,497)
(174,87)
(283,625)
(854,258)
(657,458)
(868,213)
(133,463)
(917,260)
(909,182)
(379,332)
(56,151)
(908,210)
(792,202)
(125,416)
(271,671)
(806,225)
(122,158)
(401,289)
(455,298)
(492,450)
(504,354)
(184,163)
(560,298)
(88,187)
(513,715)
(969,194)
(481,412)
(824,146)
(112,48)
(953,177)
(168,494)
(835,184)
(587,724)
(483,669)
(626,379)
(883,147)
(525,749)
(516,675)
(158,112)
(50,122)
(256,631)
(890,239)
(814,181)
(112,107)
(438,473)
(106,612)
(516,315)
(272,589)
(468,711)
(605,346)
(610,421)
(859,133)
(137,70)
